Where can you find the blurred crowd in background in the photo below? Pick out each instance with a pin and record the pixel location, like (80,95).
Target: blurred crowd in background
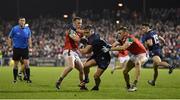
(48,32)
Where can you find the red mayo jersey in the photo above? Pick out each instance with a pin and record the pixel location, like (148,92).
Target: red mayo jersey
(70,44)
(136,47)
(122,53)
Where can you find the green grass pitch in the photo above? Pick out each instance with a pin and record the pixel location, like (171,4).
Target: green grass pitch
(112,86)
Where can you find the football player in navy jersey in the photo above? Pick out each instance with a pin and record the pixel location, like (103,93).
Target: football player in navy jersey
(151,40)
(99,57)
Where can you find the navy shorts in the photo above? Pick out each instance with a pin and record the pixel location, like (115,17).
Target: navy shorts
(102,60)
(156,52)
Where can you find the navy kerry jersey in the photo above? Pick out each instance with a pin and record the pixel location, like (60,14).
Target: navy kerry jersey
(155,39)
(97,43)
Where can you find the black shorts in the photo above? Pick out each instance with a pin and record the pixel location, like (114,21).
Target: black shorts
(102,60)
(20,54)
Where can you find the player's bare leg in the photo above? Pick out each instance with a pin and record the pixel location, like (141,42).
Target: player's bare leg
(158,61)
(69,66)
(79,66)
(129,66)
(15,70)
(155,75)
(138,63)
(97,79)
(87,66)
(137,73)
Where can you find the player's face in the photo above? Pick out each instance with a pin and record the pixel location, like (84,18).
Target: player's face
(122,34)
(87,32)
(78,23)
(144,29)
(22,22)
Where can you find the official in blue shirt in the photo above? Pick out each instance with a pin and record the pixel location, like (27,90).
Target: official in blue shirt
(20,38)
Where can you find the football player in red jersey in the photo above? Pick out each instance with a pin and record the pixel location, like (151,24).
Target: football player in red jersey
(73,36)
(138,58)
(123,57)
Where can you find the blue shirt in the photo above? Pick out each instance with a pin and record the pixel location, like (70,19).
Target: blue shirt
(155,39)
(20,36)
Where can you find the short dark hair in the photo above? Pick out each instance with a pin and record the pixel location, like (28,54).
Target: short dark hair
(21,18)
(77,18)
(123,28)
(146,24)
(89,27)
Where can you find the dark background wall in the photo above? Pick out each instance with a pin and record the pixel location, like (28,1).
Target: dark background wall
(34,8)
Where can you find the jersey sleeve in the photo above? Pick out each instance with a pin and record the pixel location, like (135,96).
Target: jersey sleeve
(149,36)
(90,40)
(93,39)
(143,39)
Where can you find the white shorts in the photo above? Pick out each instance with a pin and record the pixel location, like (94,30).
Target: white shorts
(71,53)
(143,57)
(123,59)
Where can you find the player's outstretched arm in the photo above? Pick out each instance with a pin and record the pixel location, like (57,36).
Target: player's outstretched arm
(162,39)
(86,50)
(149,42)
(116,43)
(123,47)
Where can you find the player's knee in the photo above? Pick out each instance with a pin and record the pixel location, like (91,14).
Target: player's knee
(156,63)
(137,63)
(125,72)
(96,76)
(156,60)
(86,65)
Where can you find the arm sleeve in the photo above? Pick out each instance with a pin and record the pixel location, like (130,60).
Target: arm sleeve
(149,36)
